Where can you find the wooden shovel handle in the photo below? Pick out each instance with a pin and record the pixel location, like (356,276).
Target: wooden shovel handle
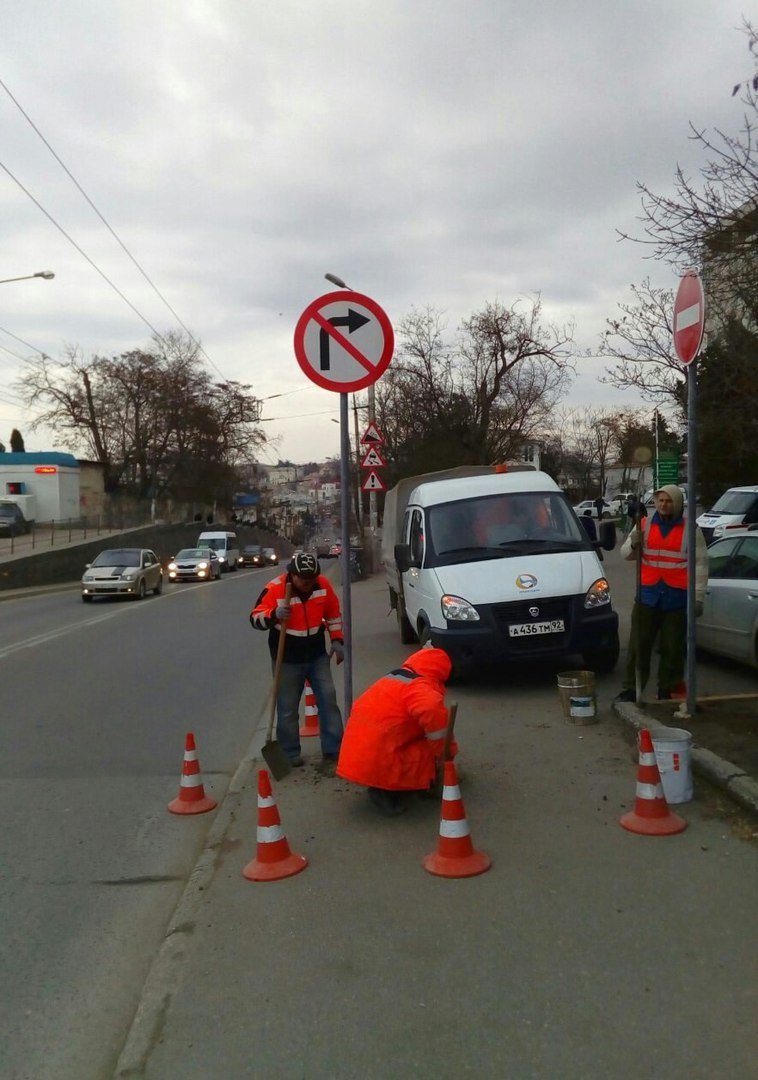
(449,732)
(278,666)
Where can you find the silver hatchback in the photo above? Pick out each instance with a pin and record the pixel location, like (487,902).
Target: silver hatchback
(122,572)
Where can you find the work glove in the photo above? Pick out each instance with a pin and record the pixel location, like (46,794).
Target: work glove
(282,612)
(338,650)
(635,538)
(698,608)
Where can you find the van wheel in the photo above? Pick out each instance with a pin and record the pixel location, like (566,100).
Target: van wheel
(424,635)
(602,661)
(407,633)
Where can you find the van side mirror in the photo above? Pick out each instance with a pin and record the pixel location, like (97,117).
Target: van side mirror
(403,557)
(607,535)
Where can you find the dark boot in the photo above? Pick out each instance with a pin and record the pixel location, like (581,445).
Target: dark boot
(626,695)
(388,803)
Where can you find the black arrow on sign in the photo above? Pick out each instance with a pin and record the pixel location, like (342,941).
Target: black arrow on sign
(353,321)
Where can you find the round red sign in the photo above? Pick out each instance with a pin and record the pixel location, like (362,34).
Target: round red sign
(689,317)
(344,341)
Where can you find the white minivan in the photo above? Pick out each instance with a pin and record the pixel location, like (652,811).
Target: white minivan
(225,544)
(496,568)
(736,509)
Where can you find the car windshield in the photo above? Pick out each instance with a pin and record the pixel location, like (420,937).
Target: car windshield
(7,511)
(501,526)
(193,553)
(735,502)
(252,549)
(117,557)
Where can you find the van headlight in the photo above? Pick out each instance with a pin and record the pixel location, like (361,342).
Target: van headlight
(598,594)
(456,609)
(718,531)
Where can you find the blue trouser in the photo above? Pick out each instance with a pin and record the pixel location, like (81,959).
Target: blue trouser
(291,684)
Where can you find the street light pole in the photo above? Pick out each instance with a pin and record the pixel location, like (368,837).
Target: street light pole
(46,274)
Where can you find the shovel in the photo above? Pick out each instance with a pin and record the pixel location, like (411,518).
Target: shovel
(276,759)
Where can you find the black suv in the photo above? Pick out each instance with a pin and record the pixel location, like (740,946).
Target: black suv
(12,521)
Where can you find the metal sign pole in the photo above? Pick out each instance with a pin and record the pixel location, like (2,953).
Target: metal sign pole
(691,533)
(347,614)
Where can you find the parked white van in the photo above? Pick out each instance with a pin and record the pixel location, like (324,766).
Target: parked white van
(225,544)
(736,509)
(496,567)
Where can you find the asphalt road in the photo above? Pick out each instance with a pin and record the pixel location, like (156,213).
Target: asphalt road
(584,952)
(97,701)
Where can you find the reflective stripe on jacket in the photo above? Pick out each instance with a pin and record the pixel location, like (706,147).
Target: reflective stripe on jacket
(396,730)
(309,617)
(664,558)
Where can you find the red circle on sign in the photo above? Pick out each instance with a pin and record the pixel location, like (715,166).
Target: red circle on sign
(689,317)
(374,367)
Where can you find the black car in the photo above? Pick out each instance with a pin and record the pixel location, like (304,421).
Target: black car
(12,520)
(251,555)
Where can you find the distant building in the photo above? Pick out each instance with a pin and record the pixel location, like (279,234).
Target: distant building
(45,485)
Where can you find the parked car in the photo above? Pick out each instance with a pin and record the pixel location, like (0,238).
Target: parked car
(195,564)
(649,497)
(12,520)
(588,504)
(619,502)
(270,557)
(122,572)
(735,509)
(729,623)
(251,555)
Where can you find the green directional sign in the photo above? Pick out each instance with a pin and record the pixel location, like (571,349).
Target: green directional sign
(667,468)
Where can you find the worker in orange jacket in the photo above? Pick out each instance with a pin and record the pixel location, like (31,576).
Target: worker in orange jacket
(395,736)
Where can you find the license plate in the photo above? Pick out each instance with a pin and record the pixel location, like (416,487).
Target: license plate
(551,626)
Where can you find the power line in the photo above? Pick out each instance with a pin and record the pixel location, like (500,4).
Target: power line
(112,231)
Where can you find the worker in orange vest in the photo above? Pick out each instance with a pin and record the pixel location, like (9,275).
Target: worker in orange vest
(660,610)
(395,736)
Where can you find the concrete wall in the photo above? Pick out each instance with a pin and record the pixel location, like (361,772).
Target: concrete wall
(66,564)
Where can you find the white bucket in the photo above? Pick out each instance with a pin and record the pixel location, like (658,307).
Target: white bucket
(672,748)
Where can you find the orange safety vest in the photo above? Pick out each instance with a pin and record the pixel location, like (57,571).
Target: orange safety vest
(396,731)
(309,617)
(664,558)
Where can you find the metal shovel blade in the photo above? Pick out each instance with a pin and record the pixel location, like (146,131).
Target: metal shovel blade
(278,763)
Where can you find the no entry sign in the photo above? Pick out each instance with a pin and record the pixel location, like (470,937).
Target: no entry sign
(689,317)
(344,341)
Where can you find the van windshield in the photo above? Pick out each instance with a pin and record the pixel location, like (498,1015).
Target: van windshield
(501,526)
(735,502)
(215,543)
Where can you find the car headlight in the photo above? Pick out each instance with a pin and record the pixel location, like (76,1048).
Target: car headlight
(598,594)
(202,566)
(222,558)
(172,566)
(130,573)
(88,577)
(456,609)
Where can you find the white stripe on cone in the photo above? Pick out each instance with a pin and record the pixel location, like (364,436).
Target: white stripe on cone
(269,834)
(265,801)
(649,791)
(454,829)
(450,793)
(193,780)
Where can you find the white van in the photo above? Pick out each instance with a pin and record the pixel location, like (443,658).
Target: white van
(736,509)
(225,544)
(497,567)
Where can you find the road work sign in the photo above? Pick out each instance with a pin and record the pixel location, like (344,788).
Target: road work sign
(344,341)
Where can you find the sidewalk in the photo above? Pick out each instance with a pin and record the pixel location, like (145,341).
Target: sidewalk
(551,964)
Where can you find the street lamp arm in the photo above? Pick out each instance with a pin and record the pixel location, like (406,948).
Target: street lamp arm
(337,281)
(46,274)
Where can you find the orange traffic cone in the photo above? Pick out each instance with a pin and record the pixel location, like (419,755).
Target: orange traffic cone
(274,859)
(191,798)
(310,727)
(651,815)
(455,855)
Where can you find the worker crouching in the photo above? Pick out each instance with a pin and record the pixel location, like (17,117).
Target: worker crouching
(395,737)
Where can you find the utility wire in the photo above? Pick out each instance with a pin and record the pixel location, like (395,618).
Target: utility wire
(112,231)
(82,252)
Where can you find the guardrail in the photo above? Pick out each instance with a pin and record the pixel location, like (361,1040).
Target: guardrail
(48,534)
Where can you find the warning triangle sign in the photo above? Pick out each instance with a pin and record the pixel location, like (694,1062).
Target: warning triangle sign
(373,483)
(372,459)
(372,434)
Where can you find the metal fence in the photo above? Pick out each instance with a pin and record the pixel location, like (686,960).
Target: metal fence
(43,535)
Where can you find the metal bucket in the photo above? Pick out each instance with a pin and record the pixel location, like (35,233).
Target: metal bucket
(673,755)
(576,690)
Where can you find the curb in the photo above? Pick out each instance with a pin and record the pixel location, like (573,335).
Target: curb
(738,784)
(166,970)
(39,590)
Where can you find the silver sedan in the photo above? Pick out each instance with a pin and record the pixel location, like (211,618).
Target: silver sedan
(122,572)
(195,564)
(729,623)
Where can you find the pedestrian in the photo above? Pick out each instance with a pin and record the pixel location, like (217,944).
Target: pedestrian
(313,610)
(660,610)
(395,737)
(632,509)
(588,524)
(599,504)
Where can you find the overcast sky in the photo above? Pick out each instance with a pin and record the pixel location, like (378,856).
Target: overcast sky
(429,152)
